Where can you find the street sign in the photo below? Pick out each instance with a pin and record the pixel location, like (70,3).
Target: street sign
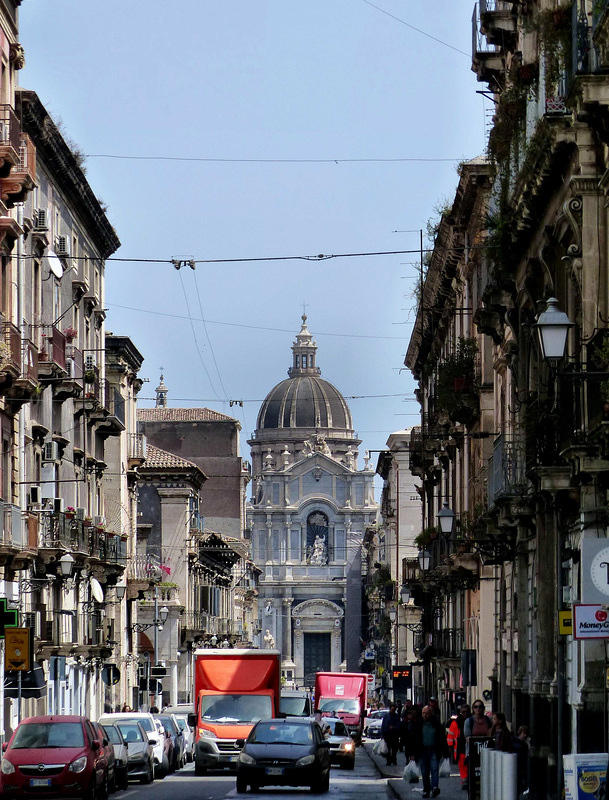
(17,651)
(8,617)
(111,675)
(370,678)
(565,623)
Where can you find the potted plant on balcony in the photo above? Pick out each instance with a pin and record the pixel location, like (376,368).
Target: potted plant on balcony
(70,512)
(70,333)
(456,389)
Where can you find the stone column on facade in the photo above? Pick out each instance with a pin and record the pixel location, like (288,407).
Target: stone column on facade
(287,628)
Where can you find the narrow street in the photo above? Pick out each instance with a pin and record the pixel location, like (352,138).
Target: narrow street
(363,782)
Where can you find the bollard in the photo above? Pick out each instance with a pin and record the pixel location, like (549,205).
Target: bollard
(485,774)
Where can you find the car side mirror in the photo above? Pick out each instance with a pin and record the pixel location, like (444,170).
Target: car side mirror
(4,747)
(95,744)
(192,719)
(239,743)
(105,742)
(153,741)
(325,743)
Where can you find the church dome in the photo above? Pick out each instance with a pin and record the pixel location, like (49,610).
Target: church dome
(304,400)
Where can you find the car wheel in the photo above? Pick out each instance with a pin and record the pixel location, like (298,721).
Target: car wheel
(124,781)
(149,776)
(241,784)
(255,788)
(112,783)
(102,791)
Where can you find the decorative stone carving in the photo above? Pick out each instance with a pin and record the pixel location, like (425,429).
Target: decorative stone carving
(269,640)
(318,555)
(17,55)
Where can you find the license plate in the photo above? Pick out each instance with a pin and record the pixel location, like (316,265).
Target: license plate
(40,781)
(232,759)
(274,770)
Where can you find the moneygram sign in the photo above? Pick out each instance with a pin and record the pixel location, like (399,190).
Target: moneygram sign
(590,622)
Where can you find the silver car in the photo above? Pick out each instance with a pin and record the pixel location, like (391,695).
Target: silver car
(140,750)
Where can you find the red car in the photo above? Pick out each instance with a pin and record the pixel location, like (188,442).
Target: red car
(55,756)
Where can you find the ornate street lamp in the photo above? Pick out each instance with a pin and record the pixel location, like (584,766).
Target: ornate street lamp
(553,326)
(424,559)
(405,594)
(446,520)
(66,564)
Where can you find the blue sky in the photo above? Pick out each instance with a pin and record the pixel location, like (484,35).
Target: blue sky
(303,110)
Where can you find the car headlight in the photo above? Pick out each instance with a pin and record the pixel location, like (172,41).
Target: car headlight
(7,767)
(348,746)
(204,733)
(305,761)
(244,758)
(78,764)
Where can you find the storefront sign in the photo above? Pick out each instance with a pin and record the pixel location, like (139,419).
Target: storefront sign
(590,622)
(584,775)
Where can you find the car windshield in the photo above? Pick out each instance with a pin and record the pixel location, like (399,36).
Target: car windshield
(131,733)
(337,727)
(349,706)
(48,734)
(146,723)
(235,708)
(182,723)
(281,733)
(295,706)
(112,734)
(168,724)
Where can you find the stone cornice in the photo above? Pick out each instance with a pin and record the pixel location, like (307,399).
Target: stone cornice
(55,154)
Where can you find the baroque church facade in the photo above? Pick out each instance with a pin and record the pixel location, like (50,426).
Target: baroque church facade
(309,509)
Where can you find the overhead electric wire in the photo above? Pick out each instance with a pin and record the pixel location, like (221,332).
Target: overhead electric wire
(211,348)
(252,327)
(418,30)
(204,159)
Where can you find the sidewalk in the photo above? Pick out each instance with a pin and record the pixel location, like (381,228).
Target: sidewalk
(450,788)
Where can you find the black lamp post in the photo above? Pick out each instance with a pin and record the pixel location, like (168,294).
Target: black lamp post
(552,327)
(446,520)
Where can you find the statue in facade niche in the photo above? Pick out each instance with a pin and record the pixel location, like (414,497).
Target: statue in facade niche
(318,555)
(321,446)
(269,640)
(307,448)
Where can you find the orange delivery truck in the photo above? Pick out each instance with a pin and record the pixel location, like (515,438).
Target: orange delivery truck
(233,689)
(343,695)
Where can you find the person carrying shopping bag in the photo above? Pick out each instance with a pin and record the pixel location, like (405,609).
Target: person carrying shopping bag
(431,748)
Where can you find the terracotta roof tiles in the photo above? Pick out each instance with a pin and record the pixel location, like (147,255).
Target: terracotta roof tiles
(182,415)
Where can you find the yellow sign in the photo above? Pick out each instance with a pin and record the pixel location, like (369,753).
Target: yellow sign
(565,622)
(17,653)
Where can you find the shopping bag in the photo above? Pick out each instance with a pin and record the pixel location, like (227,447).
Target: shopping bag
(377,747)
(383,749)
(412,773)
(444,770)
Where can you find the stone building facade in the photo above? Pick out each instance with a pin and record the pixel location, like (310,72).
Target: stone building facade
(309,508)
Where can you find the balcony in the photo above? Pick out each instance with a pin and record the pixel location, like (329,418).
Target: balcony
(448,643)
(16,543)
(10,140)
(71,384)
(136,449)
(498,23)
(114,421)
(507,470)
(487,60)
(52,355)
(22,177)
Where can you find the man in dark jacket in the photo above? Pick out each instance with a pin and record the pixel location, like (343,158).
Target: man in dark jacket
(431,747)
(390,732)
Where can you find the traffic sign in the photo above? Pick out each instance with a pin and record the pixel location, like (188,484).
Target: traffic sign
(111,675)
(18,651)
(370,678)
(8,617)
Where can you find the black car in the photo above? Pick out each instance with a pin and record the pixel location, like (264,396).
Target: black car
(284,752)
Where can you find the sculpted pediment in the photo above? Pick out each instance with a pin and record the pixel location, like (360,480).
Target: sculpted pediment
(313,609)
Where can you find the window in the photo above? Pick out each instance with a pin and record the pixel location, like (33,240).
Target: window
(304,362)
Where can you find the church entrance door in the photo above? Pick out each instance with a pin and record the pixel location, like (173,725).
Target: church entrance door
(317,655)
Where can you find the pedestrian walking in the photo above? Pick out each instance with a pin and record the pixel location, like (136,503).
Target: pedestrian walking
(478,724)
(520,746)
(430,749)
(456,741)
(501,733)
(390,732)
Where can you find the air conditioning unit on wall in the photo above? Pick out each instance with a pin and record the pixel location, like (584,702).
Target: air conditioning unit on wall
(50,451)
(41,219)
(62,246)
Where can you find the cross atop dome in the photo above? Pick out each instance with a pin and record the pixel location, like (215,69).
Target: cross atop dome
(304,350)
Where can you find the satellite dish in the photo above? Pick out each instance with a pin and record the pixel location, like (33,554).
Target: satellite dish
(54,264)
(97,591)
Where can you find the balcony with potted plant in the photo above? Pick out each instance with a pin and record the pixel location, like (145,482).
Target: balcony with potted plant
(457,384)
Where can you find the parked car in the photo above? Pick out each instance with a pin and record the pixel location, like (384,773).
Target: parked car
(189,736)
(146,720)
(55,756)
(165,737)
(372,725)
(109,751)
(121,755)
(284,752)
(342,746)
(140,750)
(172,727)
